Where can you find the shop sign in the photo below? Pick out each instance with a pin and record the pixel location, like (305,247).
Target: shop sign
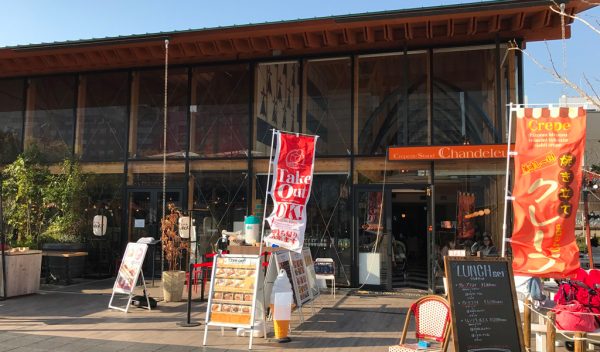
(548,171)
(292,181)
(482,151)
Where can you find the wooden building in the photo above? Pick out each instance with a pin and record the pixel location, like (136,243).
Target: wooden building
(439,76)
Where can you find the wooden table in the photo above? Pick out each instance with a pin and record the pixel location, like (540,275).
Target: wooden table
(67,257)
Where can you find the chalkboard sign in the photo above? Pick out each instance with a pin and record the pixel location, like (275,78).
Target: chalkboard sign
(482,296)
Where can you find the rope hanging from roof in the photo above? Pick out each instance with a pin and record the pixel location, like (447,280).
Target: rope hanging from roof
(164,175)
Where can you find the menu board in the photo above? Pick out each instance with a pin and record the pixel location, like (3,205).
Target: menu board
(130,268)
(300,276)
(485,316)
(283,262)
(310,271)
(232,290)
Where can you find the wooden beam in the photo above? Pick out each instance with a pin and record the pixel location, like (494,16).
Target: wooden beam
(450,26)
(518,22)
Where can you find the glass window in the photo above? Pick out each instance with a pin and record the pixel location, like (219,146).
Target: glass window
(464,97)
(11,118)
(220,203)
(276,102)
(329,104)
(50,116)
(392,102)
(418,99)
(469,203)
(102,116)
(328,231)
(220,120)
(148,112)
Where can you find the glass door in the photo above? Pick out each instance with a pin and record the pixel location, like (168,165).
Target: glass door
(145,211)
(394,236)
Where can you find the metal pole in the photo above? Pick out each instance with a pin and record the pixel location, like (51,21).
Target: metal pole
(2,245)
(268,191)
(188,323)
(586,218)
(507,176)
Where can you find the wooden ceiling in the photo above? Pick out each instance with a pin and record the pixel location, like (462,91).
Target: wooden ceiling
(529,20)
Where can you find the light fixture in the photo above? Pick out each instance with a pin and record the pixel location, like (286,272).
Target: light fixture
(403,215)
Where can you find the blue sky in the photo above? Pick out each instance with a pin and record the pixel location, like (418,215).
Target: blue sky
(36,21)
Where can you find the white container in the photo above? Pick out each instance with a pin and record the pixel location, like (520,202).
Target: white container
(251,229)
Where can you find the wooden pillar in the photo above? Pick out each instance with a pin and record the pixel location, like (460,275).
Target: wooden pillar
(29,114)
(527,323)
(191,185)
(133,115)
(80,124)
(193,113)
(550,331)
(304,95)
(580,342)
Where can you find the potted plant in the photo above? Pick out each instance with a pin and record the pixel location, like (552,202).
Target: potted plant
(44,210)
(174,247)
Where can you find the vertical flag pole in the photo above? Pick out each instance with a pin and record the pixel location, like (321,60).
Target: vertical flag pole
(267,192)
(507,176)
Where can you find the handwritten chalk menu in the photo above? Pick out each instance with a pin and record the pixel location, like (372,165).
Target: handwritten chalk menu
(485,316)
(130,268)
(233,288)
(300,276)
(310,271)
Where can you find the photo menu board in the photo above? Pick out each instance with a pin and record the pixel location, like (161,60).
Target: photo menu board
(232,289)
(300,276)
(283,262)
(311,274)
(482,296)
(130,268)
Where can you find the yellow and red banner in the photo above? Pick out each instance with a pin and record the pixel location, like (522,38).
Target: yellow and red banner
(292,181)
(550,145)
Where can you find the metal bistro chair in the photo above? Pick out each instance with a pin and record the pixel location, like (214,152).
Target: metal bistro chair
(432,322)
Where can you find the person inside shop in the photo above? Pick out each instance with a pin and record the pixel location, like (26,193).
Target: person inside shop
(488,248)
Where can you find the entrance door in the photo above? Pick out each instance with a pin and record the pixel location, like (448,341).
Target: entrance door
(393,235)
(145,211)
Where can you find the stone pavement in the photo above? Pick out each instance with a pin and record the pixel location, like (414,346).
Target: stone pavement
(76,318)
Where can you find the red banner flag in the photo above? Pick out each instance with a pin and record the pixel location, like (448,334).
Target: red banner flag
(465,226)
(292,181)
(549,145)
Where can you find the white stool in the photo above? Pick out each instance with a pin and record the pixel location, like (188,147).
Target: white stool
(330,275)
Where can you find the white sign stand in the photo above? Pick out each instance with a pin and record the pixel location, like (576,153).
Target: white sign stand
(130,294)
(129,274)
(255,296)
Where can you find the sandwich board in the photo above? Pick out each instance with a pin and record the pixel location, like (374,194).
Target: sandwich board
(483,303)
(129,274)
(232,300)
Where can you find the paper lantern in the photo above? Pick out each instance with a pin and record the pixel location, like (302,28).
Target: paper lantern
(184,227)
(99,225)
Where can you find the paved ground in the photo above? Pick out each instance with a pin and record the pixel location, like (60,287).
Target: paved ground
(76,318)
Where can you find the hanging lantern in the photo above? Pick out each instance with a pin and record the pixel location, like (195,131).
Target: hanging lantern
(184,227)
(99,225)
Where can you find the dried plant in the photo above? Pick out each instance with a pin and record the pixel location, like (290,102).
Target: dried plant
(174,246)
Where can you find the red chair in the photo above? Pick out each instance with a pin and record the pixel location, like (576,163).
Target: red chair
(202,270)
(432,322)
